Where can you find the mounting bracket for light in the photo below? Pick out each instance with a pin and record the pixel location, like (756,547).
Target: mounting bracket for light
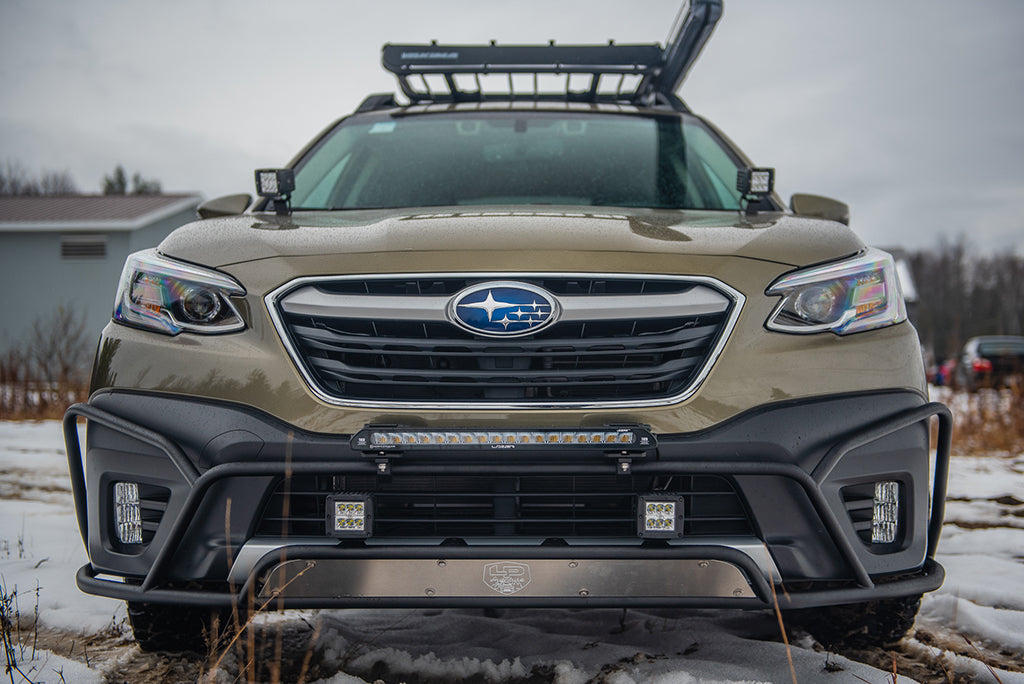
(276,185)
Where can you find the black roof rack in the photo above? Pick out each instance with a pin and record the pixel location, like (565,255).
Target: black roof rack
(635,74)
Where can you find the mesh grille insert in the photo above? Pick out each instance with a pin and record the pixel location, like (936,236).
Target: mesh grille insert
(453,506)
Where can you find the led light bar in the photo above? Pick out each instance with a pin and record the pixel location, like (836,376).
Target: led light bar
(349,515)
(394,438)
(886,515)
(660,516)
(127,513)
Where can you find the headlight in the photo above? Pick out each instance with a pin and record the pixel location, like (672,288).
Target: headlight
(844,297)
(170,296)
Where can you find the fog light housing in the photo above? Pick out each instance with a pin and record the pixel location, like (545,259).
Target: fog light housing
(349,515)
(660,517)
(127,513)
(886,514)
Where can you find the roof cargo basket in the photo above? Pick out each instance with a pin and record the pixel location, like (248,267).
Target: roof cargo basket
(638,74)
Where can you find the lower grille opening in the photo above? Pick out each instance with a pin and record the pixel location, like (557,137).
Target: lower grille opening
(545,507)
(860,501)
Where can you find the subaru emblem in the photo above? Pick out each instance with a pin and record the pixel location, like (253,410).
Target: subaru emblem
(503,309)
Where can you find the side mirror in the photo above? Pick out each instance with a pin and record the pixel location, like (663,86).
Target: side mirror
(816,206)
(228,205)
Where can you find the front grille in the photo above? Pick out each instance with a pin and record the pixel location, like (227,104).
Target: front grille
(545,507)
(366,356)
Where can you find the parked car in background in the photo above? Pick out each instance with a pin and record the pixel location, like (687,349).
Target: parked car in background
(990,361)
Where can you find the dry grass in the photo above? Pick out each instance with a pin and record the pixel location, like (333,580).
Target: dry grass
(987,421)
(15,641)
(26,394)
(42,376)
(35,403)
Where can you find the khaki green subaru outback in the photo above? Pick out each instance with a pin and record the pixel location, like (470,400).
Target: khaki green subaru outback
(530,334)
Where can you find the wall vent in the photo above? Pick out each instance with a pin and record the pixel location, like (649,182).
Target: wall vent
(83,247)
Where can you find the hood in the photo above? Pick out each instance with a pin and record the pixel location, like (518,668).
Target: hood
(775,237)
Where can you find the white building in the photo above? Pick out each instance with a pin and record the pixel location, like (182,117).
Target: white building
(68,251)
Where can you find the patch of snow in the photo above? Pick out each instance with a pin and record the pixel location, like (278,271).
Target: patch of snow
(40,546)
(986,580)
(1001,627)
(986,477)
(49,668)
(649,646)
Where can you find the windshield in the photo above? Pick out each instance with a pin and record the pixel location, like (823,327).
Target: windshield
(524,158)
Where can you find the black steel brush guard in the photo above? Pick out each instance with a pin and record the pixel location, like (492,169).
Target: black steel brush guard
(930,576)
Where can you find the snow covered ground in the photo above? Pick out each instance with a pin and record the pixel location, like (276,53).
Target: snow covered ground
(970,630)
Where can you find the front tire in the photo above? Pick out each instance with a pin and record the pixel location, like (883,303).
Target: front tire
(858,625)
(176,628)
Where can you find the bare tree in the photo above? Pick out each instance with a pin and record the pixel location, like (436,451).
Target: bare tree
(57,347)
(15,179)
(14,382)
(57,183)
(44,374)
(962,296)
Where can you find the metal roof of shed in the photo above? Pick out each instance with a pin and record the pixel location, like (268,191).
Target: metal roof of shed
(90,212)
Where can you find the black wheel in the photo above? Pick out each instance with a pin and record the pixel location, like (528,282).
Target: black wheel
(176,628)
(858,625)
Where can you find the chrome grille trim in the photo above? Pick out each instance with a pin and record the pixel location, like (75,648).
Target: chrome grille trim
(719,292)
(309,301)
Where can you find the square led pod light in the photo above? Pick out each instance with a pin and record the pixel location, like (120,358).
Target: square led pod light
(349,515)
(659,517)
(274,182)
(755,182)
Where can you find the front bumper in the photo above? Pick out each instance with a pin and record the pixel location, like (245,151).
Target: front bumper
(790,464)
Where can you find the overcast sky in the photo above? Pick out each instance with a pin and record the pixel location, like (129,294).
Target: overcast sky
(910,110)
